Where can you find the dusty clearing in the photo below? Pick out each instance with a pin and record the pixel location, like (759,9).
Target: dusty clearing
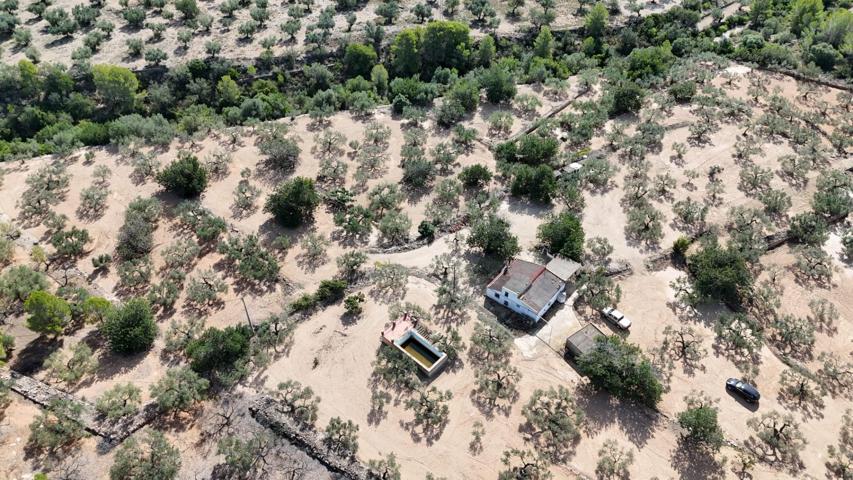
(334,356)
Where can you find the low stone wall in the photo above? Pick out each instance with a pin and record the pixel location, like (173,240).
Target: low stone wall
(269,413)
(778,239)
(43,394)
(454,226)
(617,268)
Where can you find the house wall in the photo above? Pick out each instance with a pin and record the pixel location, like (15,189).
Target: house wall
(510,300)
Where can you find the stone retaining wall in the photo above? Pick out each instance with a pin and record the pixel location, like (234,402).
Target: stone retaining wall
(269,413)
(43,394)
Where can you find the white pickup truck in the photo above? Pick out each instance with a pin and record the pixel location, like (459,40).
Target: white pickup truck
(616,317)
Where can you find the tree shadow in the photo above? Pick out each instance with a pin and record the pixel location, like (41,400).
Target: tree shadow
(31,358)
(811,408)
(525,207)
(490,409)
(64,40)
(693,462)
(181,421)
(388,294)
(429,434)
(241,284)
(636,421)
(112,364)
(769,454)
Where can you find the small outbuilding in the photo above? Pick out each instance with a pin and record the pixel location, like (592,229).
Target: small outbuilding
(583,340)
(563,268)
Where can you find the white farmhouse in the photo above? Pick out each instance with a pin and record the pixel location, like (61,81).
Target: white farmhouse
(526,288)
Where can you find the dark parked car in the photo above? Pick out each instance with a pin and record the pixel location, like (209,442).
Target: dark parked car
(745,390)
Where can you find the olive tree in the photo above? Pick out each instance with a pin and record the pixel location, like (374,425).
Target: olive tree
(833,195)
(17,283)
(298,401)
(840,456)
(57,426)
(799,389)
(835,374)
(683,344)
(600,291)
(554,419)
(179,390)
(430,409)
(613,461)
(813,264)
(740,336)
(777,438)
(497,385)
(205,289)
(690,214)
(250,457)
(119,401)
(342,436)
(385,468)
(251,261)
(524,465)
(699,422)
(72,370)
(282,152)
(152,457)
(793,335)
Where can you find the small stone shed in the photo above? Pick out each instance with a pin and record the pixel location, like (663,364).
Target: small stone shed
(583,340)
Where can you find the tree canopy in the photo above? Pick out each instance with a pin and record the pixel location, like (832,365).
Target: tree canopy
(563,235)
(622,369)
(293,202)
(130,328)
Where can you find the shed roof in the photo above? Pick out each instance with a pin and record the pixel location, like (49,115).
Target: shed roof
(583,340)
(563,268)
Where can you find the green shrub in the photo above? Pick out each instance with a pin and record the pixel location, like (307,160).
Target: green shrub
(306,301)
(330,291)
(719,274)
(563,235)
(475,176)
(293,202)
(627,97)
(426,229)
(130,328)
(186,176)
(359,60)
(217,354)
(683,92)
(679,247)
(621,368)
